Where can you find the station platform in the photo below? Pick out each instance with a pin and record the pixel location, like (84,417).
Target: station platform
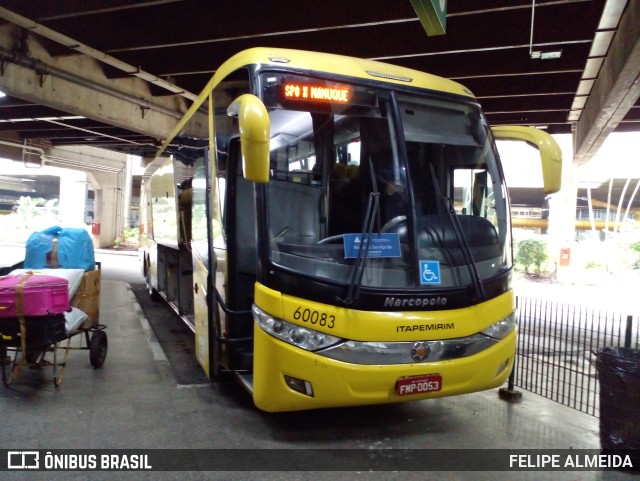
(140,399)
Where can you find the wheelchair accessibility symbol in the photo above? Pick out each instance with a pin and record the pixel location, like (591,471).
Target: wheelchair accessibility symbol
(429,272)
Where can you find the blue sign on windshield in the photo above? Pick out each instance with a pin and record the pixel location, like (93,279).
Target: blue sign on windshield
(430,272)
(381,245)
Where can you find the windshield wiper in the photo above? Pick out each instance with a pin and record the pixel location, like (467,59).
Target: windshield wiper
(460,237)
(372,214)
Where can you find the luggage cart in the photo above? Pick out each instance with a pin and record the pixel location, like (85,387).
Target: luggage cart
(26,341)
(30,340)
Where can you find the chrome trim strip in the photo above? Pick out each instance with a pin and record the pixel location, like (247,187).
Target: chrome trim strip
(384,353)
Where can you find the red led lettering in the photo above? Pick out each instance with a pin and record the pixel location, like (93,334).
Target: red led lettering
(318,93)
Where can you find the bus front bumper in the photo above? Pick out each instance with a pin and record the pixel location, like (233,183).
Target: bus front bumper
(328,383)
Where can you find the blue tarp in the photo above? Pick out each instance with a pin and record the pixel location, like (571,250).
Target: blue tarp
(73,249)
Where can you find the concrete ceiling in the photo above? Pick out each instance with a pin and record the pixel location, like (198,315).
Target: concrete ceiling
(118,74)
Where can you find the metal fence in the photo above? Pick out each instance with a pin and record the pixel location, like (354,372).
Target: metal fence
(557,345)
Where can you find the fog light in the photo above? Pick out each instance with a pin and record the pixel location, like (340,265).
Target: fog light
(299,385)
(502,367)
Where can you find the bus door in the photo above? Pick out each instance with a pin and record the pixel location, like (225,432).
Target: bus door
(205,314)
(240,232)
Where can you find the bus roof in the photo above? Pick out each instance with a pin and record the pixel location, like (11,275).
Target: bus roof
(339,65)
(322,63)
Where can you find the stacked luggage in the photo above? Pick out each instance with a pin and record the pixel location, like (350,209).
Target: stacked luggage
(55,296)
(32,306)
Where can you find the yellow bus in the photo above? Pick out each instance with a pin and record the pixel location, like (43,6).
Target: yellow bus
(336,231)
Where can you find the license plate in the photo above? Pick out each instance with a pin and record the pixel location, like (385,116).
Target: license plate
(418,384)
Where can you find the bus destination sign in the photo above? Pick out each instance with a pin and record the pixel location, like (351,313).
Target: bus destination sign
(317,93)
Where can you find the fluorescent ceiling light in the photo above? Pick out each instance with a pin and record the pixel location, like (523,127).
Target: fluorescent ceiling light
(546,55)
(552,54)
(44,119)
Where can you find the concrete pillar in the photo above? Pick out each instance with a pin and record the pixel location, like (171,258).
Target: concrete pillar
(73,194)
(106,204)
(562,213)
(128,184)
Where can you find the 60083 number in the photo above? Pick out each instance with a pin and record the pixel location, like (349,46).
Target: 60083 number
(315,317)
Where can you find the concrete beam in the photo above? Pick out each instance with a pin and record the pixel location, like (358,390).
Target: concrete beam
(616,89)
(77,85)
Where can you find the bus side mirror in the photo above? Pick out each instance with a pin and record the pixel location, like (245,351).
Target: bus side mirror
(254,136)
(550,153)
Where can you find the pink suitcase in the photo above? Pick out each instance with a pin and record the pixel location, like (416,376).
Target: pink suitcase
(42,295)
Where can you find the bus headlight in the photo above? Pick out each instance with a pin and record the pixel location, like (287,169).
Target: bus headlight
(502,328)
(298,336)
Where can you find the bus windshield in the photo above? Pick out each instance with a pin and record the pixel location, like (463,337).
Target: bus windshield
(407,186)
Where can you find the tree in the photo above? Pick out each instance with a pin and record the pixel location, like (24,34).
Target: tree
(531,251)
(635,247)
(28,209)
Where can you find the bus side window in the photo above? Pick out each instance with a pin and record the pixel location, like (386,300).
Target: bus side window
(295,186)
(473,193)
(474,201)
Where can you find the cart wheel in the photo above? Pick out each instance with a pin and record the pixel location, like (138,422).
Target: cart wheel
(57,381)
(98,348)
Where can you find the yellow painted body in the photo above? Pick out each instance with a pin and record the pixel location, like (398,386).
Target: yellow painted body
(337,383)
(550,153)
(254,133)
(201,312)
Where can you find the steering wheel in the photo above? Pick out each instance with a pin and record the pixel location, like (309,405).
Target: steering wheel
(394,223)
(333,238)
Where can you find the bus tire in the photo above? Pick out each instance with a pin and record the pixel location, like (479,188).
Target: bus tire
(154,295)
